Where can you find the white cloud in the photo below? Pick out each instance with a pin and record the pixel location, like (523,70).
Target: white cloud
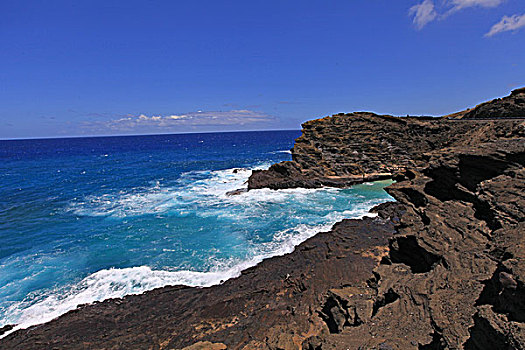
(423,13)
(200,120)
(175,116)
(461,4)
(506,24)
(427,11)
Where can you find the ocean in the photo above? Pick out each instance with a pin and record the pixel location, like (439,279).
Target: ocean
(87,219)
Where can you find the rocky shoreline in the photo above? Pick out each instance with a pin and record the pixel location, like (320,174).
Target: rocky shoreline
(441,268)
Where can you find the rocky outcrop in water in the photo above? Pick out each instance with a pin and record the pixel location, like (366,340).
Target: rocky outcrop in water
(442,268)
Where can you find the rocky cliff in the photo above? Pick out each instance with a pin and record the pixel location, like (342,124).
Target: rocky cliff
(441,268)
(350,148)
(453,276)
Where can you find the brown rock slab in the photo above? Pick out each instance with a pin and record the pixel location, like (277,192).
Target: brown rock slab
(206,345)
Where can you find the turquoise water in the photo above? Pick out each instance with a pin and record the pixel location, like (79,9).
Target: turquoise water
(88,219)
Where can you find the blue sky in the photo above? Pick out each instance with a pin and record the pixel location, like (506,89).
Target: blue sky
(140,67)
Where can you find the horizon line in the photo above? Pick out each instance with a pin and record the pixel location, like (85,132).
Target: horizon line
(134,135)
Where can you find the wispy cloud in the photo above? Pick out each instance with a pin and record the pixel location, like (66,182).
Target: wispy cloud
(193,121)
(427,11)
(462,4)
(507,24)
(423,13)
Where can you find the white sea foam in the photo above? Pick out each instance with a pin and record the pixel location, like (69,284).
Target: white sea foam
(193,188)
(117,283)
(106,284)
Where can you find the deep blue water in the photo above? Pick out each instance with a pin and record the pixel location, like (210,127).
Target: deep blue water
(86,219)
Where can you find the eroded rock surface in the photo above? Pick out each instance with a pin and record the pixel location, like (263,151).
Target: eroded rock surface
(351,148)
(453,277)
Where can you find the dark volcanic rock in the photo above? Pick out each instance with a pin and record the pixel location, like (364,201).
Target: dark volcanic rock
(443,273)
(351,148)
(512,106)
(6,328)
